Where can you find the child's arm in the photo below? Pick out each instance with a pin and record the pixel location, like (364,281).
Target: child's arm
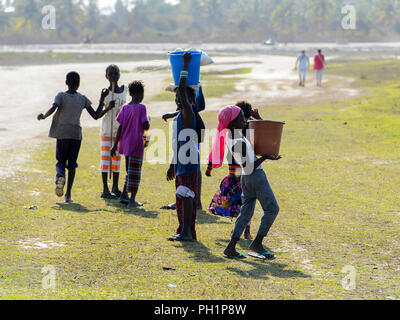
(200,101)
(255,114)
(168,116)
(48,113)
(171,172)
(99,113)
(240,149)
(187,112)
(209,169)
(118,137)
(146,126)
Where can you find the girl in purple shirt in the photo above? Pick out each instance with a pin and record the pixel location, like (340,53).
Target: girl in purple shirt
(133,122)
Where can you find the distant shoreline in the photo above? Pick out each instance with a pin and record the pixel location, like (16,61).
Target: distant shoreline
(17,59)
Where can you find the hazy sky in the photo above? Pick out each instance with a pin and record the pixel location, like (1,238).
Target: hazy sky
(104,4)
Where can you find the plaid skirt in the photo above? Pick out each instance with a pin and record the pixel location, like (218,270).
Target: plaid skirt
(189,181)
(134,173)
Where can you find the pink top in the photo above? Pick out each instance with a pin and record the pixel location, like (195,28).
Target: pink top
(131,118)
(318,63)
(225,117)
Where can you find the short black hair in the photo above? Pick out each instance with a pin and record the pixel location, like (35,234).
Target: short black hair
(246,108)
(319,50)
(136,88)
(73,79)
(112,66)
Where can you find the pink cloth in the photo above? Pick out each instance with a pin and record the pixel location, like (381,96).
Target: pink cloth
(131,118)
(319,62)
(225,117)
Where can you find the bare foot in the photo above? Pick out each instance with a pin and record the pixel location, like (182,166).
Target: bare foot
(68,199)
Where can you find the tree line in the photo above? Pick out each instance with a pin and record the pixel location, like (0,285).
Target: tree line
(199,20)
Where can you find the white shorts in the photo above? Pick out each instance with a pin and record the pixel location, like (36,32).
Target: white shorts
(319,74)
(303,73)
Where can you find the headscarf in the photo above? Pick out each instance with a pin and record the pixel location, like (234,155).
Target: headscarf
(225,117)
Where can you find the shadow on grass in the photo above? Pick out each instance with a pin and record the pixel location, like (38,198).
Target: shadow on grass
(141,212)
(204,217)
(74,207)
(262,268)
(199,252)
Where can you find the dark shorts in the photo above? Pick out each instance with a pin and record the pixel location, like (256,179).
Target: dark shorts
(67,152)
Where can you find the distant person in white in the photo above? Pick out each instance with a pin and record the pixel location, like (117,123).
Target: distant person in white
(303,62)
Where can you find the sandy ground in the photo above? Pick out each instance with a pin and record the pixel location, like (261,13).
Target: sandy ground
(31,89)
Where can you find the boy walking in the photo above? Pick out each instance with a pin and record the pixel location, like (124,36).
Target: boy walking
(66,128)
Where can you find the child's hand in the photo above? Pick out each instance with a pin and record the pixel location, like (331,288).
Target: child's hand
(104,94)
(114,151)
(187,57)
(208,173)
(165,117)
(171,173)
(255,114)
(40,117)
(111,105)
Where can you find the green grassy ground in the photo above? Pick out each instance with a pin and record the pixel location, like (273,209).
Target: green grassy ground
(337,187)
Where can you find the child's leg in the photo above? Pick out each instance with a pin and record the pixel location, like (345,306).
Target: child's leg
(271,209)
(124,195)
(134,175)
(245,216)
(116,165)
(186,207)
(106,190)
(61,156)
(74,148)
(105,146)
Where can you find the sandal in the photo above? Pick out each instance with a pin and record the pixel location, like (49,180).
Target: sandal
(237,256)
(267,255)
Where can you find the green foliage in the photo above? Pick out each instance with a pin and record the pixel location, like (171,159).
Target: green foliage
(205,20)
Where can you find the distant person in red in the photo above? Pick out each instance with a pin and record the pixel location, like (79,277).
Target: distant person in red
(319,66)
